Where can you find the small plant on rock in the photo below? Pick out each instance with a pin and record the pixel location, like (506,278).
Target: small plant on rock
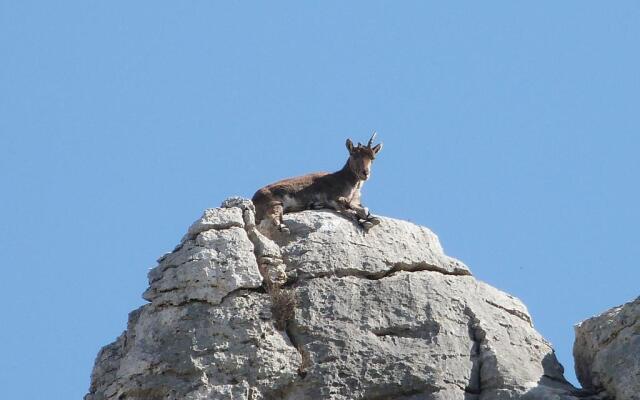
(283,305)
(283,301)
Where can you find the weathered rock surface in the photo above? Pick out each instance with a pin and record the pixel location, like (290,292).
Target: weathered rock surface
(607,352)
(382,315)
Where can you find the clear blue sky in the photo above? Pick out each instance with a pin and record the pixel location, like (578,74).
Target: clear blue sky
(512,130)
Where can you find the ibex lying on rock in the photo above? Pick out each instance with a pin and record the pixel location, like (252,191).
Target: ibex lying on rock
(339,190)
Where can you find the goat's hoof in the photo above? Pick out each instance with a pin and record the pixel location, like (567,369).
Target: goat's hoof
(366,225)
(284,229)
(369,223)
(374,221)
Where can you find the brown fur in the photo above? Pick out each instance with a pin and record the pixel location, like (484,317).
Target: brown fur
(339,191)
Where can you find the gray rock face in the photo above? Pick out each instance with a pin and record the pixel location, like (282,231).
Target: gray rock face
(607,352)
(382,315)
(324,244)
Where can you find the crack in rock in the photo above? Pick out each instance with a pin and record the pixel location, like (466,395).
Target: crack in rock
(396,267)
(517,313)
(419,266)
(477,336)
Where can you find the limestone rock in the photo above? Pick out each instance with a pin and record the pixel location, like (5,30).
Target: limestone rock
(322,243)
(607,352)
(197,351)
(378,315)
(215,218)
(207,268)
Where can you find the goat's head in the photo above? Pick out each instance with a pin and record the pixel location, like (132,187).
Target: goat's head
(360,157)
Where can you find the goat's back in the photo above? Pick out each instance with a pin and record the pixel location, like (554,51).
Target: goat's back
(297,188)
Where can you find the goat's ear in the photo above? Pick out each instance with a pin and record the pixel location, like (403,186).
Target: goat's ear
(350,146)
(376,149)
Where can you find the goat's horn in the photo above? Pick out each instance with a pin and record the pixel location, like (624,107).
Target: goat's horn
(372,138)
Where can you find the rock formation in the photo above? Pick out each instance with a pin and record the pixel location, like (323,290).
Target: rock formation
(382,315)
(607,352)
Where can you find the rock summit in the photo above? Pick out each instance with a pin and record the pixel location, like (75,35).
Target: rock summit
(327,312)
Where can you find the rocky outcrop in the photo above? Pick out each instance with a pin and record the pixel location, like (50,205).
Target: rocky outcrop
(607,352)
(381,315)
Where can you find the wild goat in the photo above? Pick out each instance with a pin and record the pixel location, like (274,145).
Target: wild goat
(339,190)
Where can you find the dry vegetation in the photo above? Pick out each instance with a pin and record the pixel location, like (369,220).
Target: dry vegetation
(283,301)
(283,305)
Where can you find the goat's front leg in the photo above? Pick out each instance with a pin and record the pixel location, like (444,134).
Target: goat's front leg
(360,213)
(367,220)
(343,206)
